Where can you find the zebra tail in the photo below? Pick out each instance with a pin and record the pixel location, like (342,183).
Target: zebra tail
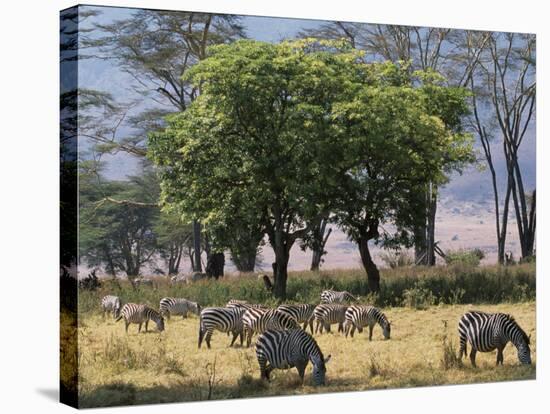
(119,318)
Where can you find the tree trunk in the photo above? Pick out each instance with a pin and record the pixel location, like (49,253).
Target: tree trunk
(280,275)
(197,266)
(244,261)
(214,265)
(430,228)
(320,243)
(373,274)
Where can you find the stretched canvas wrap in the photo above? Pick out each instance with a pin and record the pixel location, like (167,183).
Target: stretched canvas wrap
(256,206)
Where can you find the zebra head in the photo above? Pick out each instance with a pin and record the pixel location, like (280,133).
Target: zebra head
(524,353)
(386,330)
(319,371)
(160,323)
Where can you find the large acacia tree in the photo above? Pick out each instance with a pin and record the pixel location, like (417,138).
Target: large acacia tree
(284,131)
(261,133)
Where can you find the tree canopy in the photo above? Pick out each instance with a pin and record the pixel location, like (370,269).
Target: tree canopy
(283,135)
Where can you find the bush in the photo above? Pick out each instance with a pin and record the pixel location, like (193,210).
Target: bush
(397,258)
(418,297)
(464,257)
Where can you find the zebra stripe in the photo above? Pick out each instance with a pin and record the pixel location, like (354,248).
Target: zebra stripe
(328,314)
(489,331)
(359,316)
(287,349)
(223,320)
(178,306)
(333,296)
(139,313)
(302,313)
(111,304)
(261,320)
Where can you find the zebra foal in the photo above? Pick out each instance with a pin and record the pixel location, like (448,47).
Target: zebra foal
(288,349)
(359,316)
(138,314)
(223,320)
(111,303)
(489,331)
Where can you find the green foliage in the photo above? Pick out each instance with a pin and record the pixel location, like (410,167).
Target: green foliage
(418,297)
(464,257)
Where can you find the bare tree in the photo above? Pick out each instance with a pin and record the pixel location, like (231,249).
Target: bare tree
(505,85)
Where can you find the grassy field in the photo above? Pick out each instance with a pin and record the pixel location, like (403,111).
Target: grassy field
(120,369)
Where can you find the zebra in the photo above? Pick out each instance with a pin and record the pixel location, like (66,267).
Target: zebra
(287,349)
(261,320)
(178,306)
(333,296)
(143,282)
(243,304)
(302,313)
(359,316)
(489,331)
(111,304)
(327,314)
(139,313)
(221,319)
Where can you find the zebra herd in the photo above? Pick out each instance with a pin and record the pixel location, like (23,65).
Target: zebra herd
(283,340)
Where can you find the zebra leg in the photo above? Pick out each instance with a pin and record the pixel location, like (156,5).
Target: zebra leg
(316,326)
(340,327)
(201,336)
(327,327)
(249,334)
(208,337)
(301,367)
(146,324)
(262,362)
(311,325)
(500,356)
(127,324)
(371,327)
(473,357)
(139,327)
(352,331)
(235,335)
(241,337)
(463,347)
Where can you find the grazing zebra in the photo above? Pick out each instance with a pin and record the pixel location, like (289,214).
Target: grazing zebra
(221,319)
(287,349)
(359,316)
(302,313)
(139,313)
(178,306)
(261,320)
(489,331)
(112,304)
(333,296)
(327,314)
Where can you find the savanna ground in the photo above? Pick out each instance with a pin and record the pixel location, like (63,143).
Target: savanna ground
(153,367)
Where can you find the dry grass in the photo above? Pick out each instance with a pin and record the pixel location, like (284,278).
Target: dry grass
(116,368)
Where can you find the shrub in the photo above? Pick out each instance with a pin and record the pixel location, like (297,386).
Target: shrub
(464,257)
(397,258)
(418,297)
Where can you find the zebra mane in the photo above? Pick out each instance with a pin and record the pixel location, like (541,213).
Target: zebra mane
(521,331)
